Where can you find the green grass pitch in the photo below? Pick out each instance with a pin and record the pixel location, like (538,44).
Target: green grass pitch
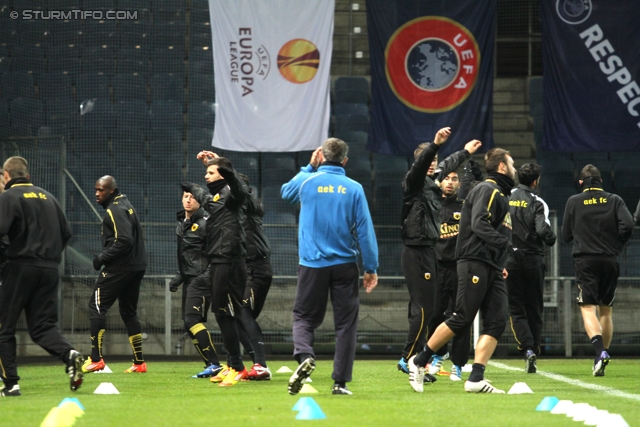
(167,396)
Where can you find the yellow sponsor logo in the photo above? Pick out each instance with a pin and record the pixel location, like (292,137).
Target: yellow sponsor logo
(456,216)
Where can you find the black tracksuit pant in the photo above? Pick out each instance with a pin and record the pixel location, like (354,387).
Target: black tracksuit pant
(34,290)
(525,288)
(314,287)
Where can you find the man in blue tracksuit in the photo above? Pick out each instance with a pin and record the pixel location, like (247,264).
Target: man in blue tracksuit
(334,220)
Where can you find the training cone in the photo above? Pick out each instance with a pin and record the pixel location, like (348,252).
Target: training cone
(577,408)
(613,420)
(562,407)
(308,380)
(520,388)
(106,388)
(284,370)
(301,403)
(596,418)
(308,389)
(547,403)
(72,400)
(58,418)
(106,370)
(72,409)
(311,412)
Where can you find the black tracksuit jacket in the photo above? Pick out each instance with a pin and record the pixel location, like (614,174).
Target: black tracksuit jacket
(34,223)
(422,196)
(225,233)
(485,223)
(192,245)
(530,221)
(599,222)
(257,243)
(122,240)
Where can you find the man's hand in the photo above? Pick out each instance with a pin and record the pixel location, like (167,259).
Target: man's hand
(473,167)
(316,157)
(225,172)
(518,256)
(369,281)
(472,146)
(505,273)
(205,156)
(442,135)
(97,264)
(186,186)
(175,283)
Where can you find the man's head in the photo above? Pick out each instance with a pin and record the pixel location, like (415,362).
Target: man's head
(105,187)
(589,171)
(529,174)
(335,150)
(212,174)
(189,204)
(450,184)
(500,161)
(434,162)
(15,167)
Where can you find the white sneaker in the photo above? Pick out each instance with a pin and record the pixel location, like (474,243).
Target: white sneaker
(416,376)
(456,373)
(481,387)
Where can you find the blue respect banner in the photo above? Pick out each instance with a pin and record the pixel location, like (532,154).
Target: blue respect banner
(591,75)
(431,67)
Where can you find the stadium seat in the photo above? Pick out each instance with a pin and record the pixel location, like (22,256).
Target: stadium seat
(135,37)
(198,68)
(277,168)
(132,113)
(89,86)
(26,115)
(64,60)
(279,218)
(201,87)
(67,37)
(97,61)
(54,85)
(554,161)
(166,115)
(169,59)
(388,203)
(273,201)
(343,109)
(5,61)
(5,124)
(129,86)
(351,123)
(133,61)
(97,113)
(165,87)
(359,169)
(17,85)
(201,114)
(62,111)
(536,98)
(351,90)
(37,37)
(200,40)
(199,139)
(284,258)
(397,164)
(389,259)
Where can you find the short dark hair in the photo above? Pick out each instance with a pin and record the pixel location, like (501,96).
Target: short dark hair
(419,149)
(109,182)
(528,173)
(590,171)
(494,157)
(220,161)
(334,150)
(17,167)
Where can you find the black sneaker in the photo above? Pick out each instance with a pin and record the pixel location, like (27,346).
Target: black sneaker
(338,389)
(74,369)
(530,362)
(303,372)
(13,392)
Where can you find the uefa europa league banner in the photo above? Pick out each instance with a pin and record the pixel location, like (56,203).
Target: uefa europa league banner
(591,57)
(271,62)
(431,67)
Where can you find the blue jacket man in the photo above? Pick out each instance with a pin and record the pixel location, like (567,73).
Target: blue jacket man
(334,220)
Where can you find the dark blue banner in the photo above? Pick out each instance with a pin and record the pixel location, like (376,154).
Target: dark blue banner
(431,67)
(591,57)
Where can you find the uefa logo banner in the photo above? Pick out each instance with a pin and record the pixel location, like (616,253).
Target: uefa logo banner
(431,67)
(271,64)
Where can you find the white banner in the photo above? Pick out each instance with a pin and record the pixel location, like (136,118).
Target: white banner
(272,60)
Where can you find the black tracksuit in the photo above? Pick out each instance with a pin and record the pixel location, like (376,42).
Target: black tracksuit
(259,277)
(420,232)
(525,282)
(482,252)
(226,254)
(38,232)
(125,261)
(599,224)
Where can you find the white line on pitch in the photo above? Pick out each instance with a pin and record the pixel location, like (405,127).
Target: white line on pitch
(608,390)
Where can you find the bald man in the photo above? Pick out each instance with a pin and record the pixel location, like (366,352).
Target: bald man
(125,261)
